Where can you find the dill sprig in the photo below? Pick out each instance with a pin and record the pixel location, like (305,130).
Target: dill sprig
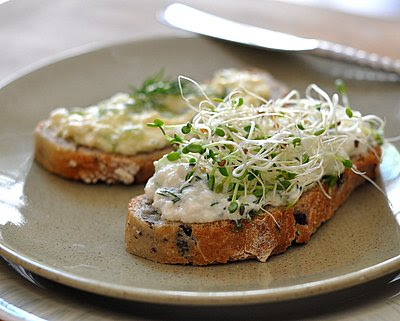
(153,92)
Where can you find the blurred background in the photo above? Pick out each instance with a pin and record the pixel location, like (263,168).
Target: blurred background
(32,30)
(374,8)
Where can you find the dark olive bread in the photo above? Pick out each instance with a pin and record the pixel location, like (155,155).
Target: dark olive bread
(149,236)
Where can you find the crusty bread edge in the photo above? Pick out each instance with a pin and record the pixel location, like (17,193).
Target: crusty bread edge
(66,159)
(148,236)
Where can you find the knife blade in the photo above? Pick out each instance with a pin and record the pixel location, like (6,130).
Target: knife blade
(190,19)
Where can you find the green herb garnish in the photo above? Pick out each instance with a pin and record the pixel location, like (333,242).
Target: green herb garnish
(347,163)
(233,206)
(319,132)
(157,123)
(219,132)
(152,93)
(173,156)
(193,148)
(186,129)
(349,112)
(300,126)
(169,194)
(340,86)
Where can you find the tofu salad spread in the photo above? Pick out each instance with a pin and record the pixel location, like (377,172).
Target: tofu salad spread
(118,124)
(233,160)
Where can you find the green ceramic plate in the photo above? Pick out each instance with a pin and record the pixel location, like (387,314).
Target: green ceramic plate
(73,233)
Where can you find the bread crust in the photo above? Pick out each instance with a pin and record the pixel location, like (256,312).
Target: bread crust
(69,160)
(149,236)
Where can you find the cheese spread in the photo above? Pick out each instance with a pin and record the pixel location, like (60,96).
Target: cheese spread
(114,126)
(118,124)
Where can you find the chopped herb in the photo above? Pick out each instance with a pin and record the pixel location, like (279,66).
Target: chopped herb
(189,175)
(169,194)
(152,93)
(185,187)
(300,126)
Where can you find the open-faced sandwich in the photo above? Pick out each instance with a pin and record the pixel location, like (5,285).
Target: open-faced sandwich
(110,141)
(245,182)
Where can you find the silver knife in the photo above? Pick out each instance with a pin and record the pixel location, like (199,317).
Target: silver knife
(194,20)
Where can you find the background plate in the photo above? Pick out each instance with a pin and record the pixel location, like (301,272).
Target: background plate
(73,233)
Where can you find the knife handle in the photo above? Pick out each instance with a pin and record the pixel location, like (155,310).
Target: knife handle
(361,57)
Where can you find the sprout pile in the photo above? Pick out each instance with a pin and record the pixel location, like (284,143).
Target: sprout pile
(271,154)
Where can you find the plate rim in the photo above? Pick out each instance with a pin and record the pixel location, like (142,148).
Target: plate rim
(206,298)
(173,296)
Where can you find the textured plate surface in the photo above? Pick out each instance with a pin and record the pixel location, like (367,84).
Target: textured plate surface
(73,233)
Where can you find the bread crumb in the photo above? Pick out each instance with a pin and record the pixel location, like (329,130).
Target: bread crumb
(127,175)
(72,163)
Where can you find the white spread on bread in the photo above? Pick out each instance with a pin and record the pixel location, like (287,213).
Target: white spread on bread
(256,82)
(114,126)
(197,203)
(118,124)
(234,160)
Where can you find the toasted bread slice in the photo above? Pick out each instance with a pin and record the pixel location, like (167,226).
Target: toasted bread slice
(149,236)
(69,160)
